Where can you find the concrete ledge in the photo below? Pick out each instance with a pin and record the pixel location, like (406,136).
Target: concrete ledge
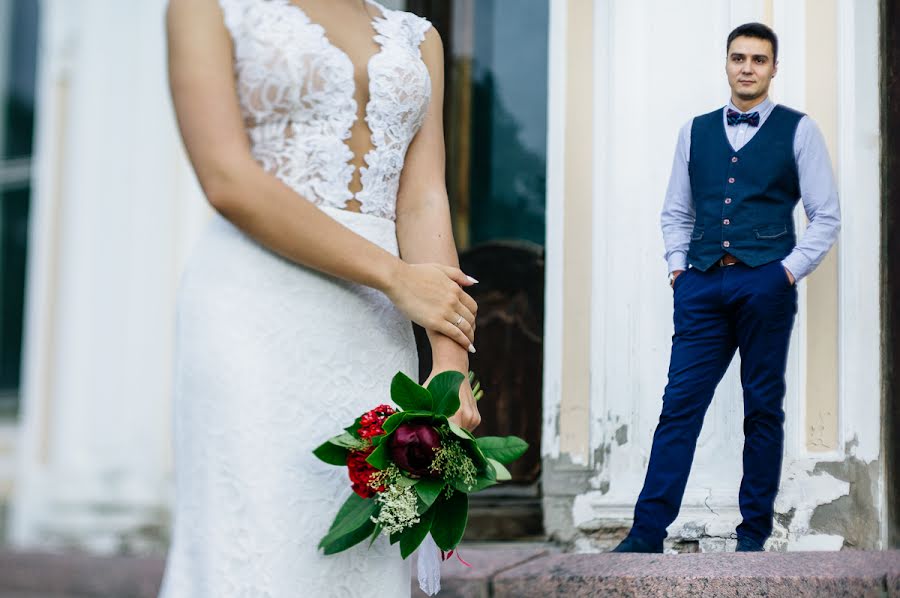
(850,574)
(74,575)
(521,571)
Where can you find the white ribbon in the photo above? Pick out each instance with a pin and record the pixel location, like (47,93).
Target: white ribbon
(429,567)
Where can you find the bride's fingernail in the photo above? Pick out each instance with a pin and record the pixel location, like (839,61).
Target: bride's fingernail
(471,348)
(473,281)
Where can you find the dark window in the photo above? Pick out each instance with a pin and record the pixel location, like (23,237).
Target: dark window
(18,45)
(509,120)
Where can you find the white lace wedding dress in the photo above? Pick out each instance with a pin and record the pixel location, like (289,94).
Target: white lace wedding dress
(273,358)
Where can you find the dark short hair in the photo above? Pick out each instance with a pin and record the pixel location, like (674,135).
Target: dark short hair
(757,30)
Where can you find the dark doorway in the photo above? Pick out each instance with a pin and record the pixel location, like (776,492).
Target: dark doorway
(890,257)
(495,122)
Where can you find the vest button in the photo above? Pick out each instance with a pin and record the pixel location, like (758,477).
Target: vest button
(731,180)
(726,244)
(734,159)
(726,222)
(727,200)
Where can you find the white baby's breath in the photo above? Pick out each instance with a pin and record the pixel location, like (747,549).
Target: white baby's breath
(398,509)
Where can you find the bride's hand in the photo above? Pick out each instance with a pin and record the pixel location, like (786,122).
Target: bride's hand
(431,295)
(467,417)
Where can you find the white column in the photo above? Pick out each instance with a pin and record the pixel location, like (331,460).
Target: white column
(114,209)
(652,79)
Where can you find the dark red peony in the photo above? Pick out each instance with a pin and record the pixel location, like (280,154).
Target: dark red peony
(361,472)
(371,421)
(412,447)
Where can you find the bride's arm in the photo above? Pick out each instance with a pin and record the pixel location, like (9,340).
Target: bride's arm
(203,91)
(423,220)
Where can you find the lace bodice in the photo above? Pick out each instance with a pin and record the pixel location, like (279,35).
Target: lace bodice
(296,91)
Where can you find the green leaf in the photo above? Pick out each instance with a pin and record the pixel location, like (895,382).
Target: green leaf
(408,395)
(375,531)
(413,536)
(345,440)
(450,518)
(469,444)
(482,483)
(331,453)
(379,457)
(352,430)
(394,421)
(349,539)
(445,389)
(461,486)
(461,432)
(503,449)
(478,456)
(405,482)
(354,513)
(501,471)
(349,505)
(428,491)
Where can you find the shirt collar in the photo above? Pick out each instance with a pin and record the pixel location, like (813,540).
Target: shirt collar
(763,107)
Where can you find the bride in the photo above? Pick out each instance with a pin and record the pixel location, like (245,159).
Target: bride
(315,130)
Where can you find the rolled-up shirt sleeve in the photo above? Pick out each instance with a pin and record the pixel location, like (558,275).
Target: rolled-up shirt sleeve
(678,215)
(820,200)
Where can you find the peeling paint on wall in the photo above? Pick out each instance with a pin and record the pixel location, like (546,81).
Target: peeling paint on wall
(855,516)
(821,505)
(550,431)
(802,491)
(621,435)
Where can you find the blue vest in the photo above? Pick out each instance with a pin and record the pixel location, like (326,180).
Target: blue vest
(744,200)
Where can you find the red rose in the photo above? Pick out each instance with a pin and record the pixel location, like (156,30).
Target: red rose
(371,421)
(361,473)
(412,447)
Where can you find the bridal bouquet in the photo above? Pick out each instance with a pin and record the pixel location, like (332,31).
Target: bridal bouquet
(412,469)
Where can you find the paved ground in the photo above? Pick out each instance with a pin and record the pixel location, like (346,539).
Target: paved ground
(522,571)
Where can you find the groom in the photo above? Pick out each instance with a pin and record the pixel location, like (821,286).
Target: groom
(734,262)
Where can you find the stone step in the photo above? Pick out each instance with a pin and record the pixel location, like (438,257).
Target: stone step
(845,574)
(521,571)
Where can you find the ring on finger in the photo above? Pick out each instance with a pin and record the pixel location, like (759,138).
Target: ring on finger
(459,320)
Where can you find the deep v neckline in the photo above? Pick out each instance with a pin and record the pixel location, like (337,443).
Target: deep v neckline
(366,112)
(368,62)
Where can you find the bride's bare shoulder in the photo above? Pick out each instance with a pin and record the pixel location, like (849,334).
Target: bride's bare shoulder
(192,24)
(193,12)
(432,47)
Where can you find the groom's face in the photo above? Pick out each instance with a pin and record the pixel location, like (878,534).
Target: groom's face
(750,66)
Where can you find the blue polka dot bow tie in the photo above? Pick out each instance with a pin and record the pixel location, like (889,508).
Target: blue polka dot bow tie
(736,118)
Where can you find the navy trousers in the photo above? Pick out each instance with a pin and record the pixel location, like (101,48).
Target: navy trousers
(724,309)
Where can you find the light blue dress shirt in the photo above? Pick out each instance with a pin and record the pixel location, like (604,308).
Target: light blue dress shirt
(817,189)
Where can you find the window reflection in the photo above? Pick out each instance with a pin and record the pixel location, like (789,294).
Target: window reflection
(498,120)
(18,42)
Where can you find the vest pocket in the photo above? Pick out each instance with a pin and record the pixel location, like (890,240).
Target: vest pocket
(696,234)
(772,231)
